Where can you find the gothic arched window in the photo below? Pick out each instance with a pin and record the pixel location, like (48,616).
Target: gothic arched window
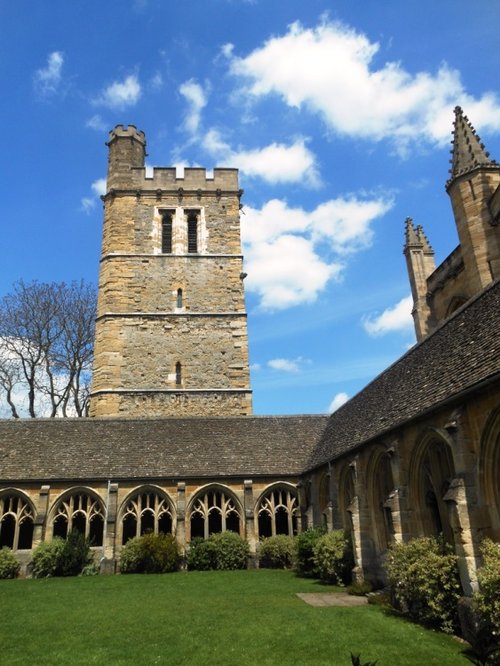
(178,374)
(212,512)
(146,511)
(179,298)
(82,512)
(277,512)
(16,522)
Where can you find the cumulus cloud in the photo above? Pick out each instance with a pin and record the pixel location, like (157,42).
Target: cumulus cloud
(396,318)
(331,70)
(47,79)
(120,94)
(196,97)
(285,247)
(275,163)
(285,364)
(339,400)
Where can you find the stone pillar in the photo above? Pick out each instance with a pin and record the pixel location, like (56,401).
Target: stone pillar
(250,532)
(42,507)
(180,531)
(108,559)
(456,499)
(353,509)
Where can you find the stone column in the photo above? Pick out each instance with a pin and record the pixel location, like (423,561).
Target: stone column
(42,507)
(180,531)
(250,532)
(108,560)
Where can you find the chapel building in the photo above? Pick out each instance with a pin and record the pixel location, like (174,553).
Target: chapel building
(172,446)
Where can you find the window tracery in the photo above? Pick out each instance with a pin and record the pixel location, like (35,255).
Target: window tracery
(214,511)
(146,512)
(16,522)
(81,512)
(277,512)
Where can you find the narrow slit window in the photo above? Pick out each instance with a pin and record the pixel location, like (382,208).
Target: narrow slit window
(192,233)
(178,374)
(179,298)
(166,233)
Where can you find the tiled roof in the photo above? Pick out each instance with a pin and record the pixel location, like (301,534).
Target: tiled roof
(66,449)
(461,354)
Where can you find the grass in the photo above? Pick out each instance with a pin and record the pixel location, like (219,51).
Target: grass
(237,617)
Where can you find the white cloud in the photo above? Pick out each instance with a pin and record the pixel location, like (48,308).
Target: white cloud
(47,79)
(285,247)
(396,318)
(156,81)
(196,97)
(96,123)
(339,400)
(275,163)
(98,188)
(120,94)
(285,364)
(331,70)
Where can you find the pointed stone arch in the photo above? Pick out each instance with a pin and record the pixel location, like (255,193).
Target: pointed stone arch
(147,508)
(81,509)
(214,508)
(432,470)
(489,472)
(380,488)
(347,494)
(277,510)
(17,518)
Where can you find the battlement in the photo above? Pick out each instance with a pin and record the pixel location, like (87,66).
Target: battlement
(195,178)
(124,131)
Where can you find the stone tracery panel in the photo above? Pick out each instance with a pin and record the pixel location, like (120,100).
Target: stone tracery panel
(214,510)
(277,511)
(82,511)
(16,521)
(146,510)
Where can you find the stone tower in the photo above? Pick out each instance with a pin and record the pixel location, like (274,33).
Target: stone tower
(474,190)
(171,330)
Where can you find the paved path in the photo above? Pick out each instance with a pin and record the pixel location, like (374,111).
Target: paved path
(332,599)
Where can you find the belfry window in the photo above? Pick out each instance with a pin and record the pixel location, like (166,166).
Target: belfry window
(166,233)
(192,229)
(16,522)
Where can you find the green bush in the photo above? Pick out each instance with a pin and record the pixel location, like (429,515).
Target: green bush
(276,552)
(46,558)
(425,583)
(9,566)
(74,556)
(359,589)
(333,561)
(150,553)
(62,557)
(488,576)
(223,551)
(304,551)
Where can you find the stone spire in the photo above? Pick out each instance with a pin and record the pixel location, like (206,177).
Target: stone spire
(410,234)
(467,153)
(426,246)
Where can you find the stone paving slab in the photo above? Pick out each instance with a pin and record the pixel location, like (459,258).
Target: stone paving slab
(332,599)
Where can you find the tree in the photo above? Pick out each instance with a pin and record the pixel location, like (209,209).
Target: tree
(46,347)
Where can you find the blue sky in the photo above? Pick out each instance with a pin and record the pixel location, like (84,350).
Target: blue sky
(338,115)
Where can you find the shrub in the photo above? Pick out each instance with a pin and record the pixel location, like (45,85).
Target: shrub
(304,550)
(223,551)
(333,559)
(424,580)
(360,589)
(150,553)
(488,597)
(74,556)
(46,558)
(276,552)
(9,566)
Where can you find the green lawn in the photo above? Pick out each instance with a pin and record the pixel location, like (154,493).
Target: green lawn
(234,617)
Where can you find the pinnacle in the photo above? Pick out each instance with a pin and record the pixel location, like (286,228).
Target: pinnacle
(467,153)
(426,246)
(411,237)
